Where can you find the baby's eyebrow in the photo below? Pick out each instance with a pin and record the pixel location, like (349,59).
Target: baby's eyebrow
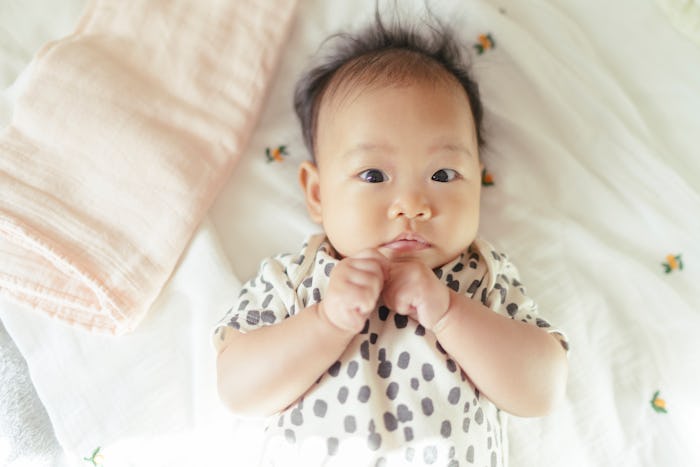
(363,148)
(451,147)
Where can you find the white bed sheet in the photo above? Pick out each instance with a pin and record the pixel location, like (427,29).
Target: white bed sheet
(592,114)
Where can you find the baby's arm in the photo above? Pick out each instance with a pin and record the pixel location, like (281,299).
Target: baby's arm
(519,367)
(264,371)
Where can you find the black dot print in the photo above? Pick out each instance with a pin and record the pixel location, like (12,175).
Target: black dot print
(373,338)
(243,305)
(352,369)
(383,313)
(542,323)
(494,459)
(268,285)
(512,309)
(320,408)
(350,424)
(438,273)
(408,433)
(430,454)
(458,267)
(410,452)
(253,317)
(296,417)
(365,329)
(374,441)
(268,316)
(501,291)
(334,369)
(428,372)
(453,463)
(465,425)
(474,287)
(420,330)
(470,454)
(332,445)
(473,264)
(327,270)
(308,282)
(384,369)
(343,394)
(267,300)
(454,395)
(446,429)
(427,406)
(452,283)
(400,320)
(364,393)
(479,416)
(317,294)
(451,365)
(404,360)
(390,421)
(415,383)
(440,348)
(290,436)
(392,390)
(403,413)
(364,350)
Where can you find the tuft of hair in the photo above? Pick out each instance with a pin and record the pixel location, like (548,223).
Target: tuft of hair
(382,54)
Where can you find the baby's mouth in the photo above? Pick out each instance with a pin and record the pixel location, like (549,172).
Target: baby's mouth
(407,242)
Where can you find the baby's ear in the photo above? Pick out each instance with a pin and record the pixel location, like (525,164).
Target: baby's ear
(310,184)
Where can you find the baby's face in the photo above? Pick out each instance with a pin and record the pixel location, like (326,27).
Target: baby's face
(398,170)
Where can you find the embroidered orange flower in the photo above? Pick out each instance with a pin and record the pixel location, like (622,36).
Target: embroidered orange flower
(486,178)
(485,42)
(96,459)
(658,404)
(275,154)
(672,263)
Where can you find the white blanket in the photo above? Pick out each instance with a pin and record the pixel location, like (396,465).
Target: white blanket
(592,116)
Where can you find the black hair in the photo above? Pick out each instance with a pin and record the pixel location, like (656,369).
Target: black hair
(370,55)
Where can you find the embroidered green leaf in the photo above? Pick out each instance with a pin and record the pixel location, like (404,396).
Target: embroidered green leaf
(485,42)
(673,262)
(276,154)
(96,458)
(658,404)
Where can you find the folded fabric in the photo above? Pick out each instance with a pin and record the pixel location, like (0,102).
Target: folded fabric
(123,135)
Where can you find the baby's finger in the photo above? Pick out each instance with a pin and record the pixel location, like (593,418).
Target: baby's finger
(374,255)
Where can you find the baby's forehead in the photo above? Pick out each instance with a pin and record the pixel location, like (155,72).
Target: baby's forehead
(388,68)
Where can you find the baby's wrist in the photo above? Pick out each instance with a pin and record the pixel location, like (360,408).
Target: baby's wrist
(443,322)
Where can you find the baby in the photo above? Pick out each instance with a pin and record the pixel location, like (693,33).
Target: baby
(397,336)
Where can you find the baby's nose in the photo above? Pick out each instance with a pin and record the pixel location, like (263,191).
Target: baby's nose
(412,205)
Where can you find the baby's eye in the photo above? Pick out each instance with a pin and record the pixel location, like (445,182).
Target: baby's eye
(372,176)
(444,175)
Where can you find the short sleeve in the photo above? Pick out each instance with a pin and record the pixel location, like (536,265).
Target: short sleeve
(507,295)
(264,300)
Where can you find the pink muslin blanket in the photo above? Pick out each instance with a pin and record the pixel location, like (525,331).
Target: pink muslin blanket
(122,137)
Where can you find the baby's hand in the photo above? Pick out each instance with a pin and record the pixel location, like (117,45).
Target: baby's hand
(412,289)
(353,290)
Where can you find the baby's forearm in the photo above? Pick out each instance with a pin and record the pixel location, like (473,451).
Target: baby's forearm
(519,367)
(264,371)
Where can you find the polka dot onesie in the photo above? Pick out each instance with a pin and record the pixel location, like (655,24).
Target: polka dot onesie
(394,397)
